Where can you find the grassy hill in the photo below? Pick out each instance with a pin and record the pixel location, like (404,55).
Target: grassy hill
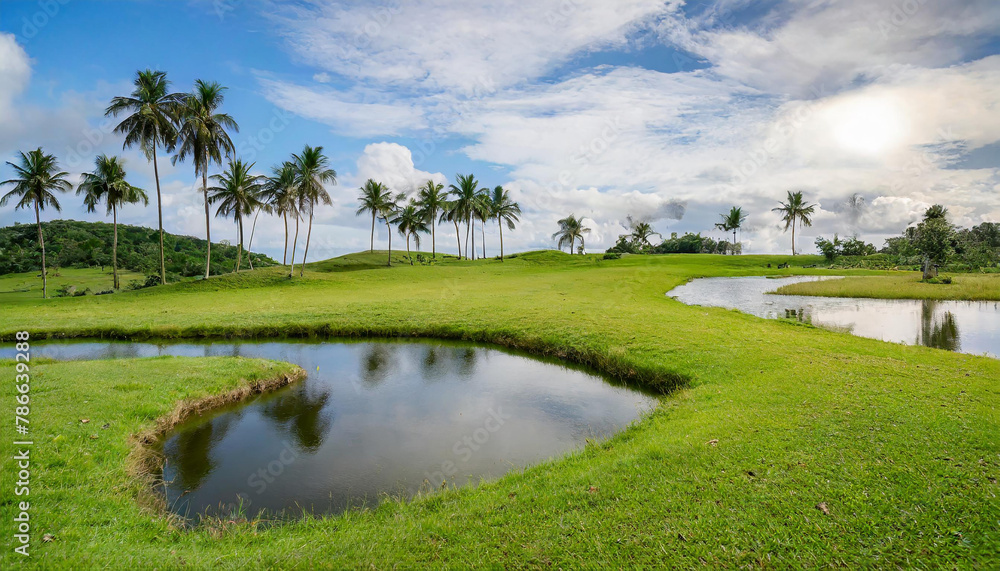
(73,244)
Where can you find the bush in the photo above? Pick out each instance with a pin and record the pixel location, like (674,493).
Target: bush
(612,256)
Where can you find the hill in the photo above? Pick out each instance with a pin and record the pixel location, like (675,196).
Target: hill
(73,244)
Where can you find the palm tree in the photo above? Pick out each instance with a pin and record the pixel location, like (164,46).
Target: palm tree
(373,197)
(466,194)
(732,222)
(936,211)
(202,136)
(411,221)
(152,112)
(388,212)
(107,183)
(40,178)
(571,229)
(795,210)
(238,193)
(451,213)
(280,194)
(431,199)
(482,208)
(505,210)
(641,232)
(312,172)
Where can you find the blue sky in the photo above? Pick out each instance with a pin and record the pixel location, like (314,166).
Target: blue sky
(670,111)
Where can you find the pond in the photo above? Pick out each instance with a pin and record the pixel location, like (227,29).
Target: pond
(373,419)
(963,326)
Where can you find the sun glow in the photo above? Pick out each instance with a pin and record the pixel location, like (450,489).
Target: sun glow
(868,125)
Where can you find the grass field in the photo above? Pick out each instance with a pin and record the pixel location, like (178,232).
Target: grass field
(903,285)
(781,445)
(16,288)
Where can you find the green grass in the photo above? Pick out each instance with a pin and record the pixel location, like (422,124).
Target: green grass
(902,285)
(771,419)
(17,288)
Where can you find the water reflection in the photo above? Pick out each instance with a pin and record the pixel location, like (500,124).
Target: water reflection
(375,418)
(964,326)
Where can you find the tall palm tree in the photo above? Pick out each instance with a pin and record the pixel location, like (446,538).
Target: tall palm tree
(431,198)
(202,136)
(238,194)
(373,197)
(451,213)
(280,194)
(571,229)
(151,115)
(411,221)
(312,173)
(732,222)
(388,212)
(466,194)
(482,209)
(796,210)
(107,183)
(39,179)
(504,210)
(641,232)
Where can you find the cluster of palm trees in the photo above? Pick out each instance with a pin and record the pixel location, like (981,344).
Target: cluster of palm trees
(463,203)
(191,126)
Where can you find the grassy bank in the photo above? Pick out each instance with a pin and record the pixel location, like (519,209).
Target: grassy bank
(784,445)
(908,285)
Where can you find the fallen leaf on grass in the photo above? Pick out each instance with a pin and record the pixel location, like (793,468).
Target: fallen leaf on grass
(713,441)
(93,437)
(592,489)
(84,420)
(822,507)
(48,537)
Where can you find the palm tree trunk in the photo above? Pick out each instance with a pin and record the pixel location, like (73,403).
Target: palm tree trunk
(433,231)
(408,256)
(484,239)
(572,243)
(466,239)
(389,229)
(734,242)
(458,237)
(302,266)
(373,232)
(159,212)
(500,226)
(239,251)
(208,223)
(41,243)
(294,243)
(793,236)
(253,228)
(114,249)
(472,224)
(284,255)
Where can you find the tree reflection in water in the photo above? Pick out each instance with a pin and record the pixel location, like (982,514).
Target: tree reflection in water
(942,333)
(190,451)
(300,412)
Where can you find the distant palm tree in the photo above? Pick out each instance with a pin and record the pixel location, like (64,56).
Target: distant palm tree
(936,211)
(732,222)
(312,173)
(238,194)
(466,194)
(152,113)
(641,232)
(504,210)
(571,229)
(373,197)
(793,211)
(107,183)
(388,212)
(411,221)
(281,194)
(431,198)
(39,178)
(202,136)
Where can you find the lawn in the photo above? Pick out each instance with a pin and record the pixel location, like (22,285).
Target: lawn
(903,285)
(17,288)
(777,445)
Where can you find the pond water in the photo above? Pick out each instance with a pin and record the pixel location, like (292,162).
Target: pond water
(963,326)
(373,418)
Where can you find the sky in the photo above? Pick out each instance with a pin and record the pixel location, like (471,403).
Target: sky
(666,111)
